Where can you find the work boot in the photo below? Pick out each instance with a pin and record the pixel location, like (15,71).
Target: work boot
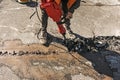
(71,34)
(42,36)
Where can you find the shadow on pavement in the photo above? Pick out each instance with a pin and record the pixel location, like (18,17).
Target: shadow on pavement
(94,52)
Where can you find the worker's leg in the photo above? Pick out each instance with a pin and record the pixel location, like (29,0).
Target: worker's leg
(67,23)
(43,30)
(44,18)
(70,32)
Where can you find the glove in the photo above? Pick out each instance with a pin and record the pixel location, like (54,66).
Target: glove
(69,15)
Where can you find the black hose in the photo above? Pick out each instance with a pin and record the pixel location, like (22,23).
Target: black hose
(36,11)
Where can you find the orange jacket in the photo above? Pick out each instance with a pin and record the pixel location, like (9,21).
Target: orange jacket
(69,4)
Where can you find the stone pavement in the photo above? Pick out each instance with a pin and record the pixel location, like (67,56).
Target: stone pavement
(95,17)
(88,20)
(60,66)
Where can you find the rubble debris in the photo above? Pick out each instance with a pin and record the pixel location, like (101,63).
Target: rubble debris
(78,45)
(93,44)
(20,53)
(74,45)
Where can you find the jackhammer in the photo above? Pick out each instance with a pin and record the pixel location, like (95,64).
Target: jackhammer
(54,11)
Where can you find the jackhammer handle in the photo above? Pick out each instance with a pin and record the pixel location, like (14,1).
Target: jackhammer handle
(62,22)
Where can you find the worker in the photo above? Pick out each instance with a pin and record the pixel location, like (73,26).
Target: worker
(68,7)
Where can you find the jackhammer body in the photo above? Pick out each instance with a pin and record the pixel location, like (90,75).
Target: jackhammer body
(54,11)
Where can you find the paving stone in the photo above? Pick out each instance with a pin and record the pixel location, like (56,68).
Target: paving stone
(81,77)
(7,74)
